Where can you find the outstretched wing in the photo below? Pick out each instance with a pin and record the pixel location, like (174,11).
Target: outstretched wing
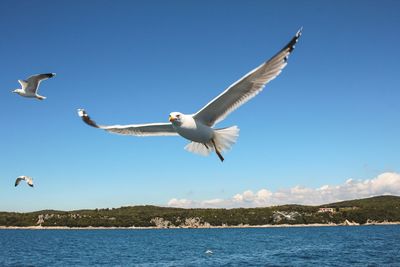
(34,81)
(23,84)
(150,129)
(246,88)
(19,179)
(29,181)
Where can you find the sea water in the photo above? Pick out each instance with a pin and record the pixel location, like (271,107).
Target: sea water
(294,246)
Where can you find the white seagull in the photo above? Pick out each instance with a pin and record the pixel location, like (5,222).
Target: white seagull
(198,127)
(27,179)
(31,85)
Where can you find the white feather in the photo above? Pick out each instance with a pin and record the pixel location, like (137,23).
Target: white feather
(245,88)
(224,139)
(198,148)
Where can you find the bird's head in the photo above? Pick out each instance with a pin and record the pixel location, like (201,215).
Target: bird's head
(176,118)
(81,112)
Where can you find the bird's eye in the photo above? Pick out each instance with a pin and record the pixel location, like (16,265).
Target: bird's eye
(178,116)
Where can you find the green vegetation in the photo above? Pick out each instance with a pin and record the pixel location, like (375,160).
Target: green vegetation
(375,209)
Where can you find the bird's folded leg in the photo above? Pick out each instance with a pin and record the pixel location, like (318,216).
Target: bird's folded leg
(217,151)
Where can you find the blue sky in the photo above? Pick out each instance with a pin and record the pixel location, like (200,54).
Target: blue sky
(332,114)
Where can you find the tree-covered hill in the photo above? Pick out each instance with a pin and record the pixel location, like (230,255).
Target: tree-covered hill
(375,209)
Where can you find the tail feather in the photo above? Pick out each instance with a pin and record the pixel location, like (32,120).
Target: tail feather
(199,148)
(223,138)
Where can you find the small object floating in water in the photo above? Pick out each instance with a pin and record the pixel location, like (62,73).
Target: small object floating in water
(28,180)
(208,251)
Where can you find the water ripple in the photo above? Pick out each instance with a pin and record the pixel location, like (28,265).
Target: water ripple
(299,246)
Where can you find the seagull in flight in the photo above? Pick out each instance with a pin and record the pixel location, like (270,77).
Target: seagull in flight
(198,127)
(27,179)
(29,87)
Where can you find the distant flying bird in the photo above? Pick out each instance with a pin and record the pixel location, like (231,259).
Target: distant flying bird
(208,251)
(27,179)
(198,127)
(31,85)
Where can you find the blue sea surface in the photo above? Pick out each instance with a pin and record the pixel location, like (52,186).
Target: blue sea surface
(295,246)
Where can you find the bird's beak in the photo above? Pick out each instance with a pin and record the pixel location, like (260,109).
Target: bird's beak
(171,119)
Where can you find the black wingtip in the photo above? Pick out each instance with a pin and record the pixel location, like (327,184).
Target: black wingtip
(299,32)
(292,43)
(50,75)
(86,119)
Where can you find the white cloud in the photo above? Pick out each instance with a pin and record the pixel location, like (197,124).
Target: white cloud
(387,183)
(184,203)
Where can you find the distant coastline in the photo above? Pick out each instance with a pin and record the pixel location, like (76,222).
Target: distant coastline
(380,210)
(201,227)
